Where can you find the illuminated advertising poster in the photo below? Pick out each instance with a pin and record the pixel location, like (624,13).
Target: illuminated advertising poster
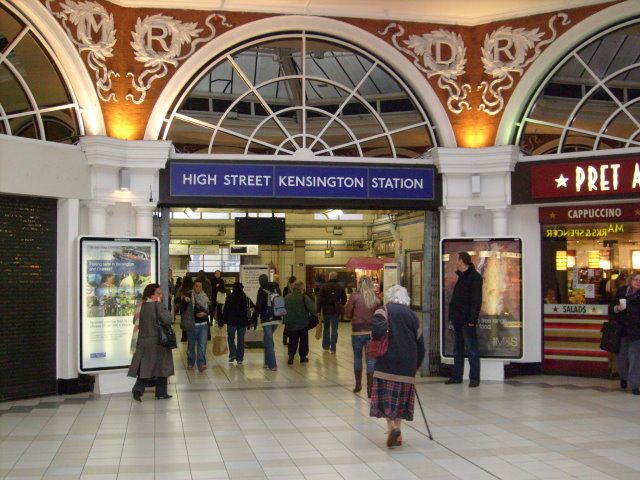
(499,261)
(113,275)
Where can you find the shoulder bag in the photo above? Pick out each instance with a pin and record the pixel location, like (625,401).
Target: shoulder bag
(313,318)
(611,335)
(377,347)
(166,335)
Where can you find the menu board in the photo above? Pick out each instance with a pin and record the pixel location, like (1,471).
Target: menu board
(113,275)
(499,261)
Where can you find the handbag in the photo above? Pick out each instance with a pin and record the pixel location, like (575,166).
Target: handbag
(319,331)
(221,297)
(377,347)
(611,335)
(219,340)
(166,335)
(313,318)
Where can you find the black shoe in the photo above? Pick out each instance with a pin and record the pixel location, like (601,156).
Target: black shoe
(163,397)
(474,383)
(137,396)
(290,361)
(623,384)
(304,360)
(636,391)
(452,381)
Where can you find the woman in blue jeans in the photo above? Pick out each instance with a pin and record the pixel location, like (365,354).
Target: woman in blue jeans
(197,336)
(235,315)
(268,321)
(360,310)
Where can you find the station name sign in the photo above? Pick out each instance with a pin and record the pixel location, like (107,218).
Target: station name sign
(301,181)
(586,178)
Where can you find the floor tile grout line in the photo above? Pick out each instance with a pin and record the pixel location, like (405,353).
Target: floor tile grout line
(213,432)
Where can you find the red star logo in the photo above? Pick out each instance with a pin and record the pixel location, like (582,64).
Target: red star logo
(552,215)
(638,212)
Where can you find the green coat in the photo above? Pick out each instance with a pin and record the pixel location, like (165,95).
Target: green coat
(297,317)
(150,359)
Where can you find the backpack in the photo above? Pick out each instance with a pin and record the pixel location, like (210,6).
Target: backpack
(275,305)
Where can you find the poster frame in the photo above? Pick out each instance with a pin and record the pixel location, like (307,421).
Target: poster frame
(443,323)
(117,241)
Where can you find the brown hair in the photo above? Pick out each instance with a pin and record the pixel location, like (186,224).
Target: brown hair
(149,291)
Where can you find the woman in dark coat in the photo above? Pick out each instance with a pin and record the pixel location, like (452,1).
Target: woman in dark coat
(626,311)
(296,321)
(150,359)
(394,389)
(235,315)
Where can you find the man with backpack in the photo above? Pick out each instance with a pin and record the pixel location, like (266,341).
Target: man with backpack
(331,303)
(270,309)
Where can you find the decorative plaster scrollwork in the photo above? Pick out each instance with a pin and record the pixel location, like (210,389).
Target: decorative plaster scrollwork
(89,19)
(170,35)
(429,57)
(505,52)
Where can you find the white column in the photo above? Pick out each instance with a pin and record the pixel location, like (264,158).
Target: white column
(144,220)
(97,217)
(453,222)
(67,329)
(500,227)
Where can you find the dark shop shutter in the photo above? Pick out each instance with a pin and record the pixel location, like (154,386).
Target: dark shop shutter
(27,297)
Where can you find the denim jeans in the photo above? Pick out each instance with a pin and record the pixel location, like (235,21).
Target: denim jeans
(330,331)
(236,350)
(359,343)
(269,348)
(197,337)
(465,336)
(629,361)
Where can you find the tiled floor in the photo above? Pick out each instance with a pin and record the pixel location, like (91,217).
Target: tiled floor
(303,422)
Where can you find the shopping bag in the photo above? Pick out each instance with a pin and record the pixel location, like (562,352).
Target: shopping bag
(319,331)
(219,340)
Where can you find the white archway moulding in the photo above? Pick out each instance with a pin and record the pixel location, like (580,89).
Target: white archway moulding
(539,69)
(344,31)
(68,60)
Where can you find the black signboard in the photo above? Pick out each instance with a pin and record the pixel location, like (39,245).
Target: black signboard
(499,261)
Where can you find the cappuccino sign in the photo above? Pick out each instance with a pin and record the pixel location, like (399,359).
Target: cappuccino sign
(586,178)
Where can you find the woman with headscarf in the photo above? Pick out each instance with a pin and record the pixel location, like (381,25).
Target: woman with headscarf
(360,310)
(151,360)
(296,321)
(393,393)
(268,321)
(235,315)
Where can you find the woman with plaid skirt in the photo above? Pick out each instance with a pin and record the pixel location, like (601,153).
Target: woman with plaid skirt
(394,390)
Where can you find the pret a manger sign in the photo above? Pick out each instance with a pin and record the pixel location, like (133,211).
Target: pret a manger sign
(586,178)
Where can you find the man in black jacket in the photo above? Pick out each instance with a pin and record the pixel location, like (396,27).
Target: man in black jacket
(331,303)
(464,309)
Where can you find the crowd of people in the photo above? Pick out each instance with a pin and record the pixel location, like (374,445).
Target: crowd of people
(390,373)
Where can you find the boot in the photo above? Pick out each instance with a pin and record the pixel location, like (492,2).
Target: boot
(358,375)
(369,384)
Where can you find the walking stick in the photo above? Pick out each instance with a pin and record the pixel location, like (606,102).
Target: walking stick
(423,415)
